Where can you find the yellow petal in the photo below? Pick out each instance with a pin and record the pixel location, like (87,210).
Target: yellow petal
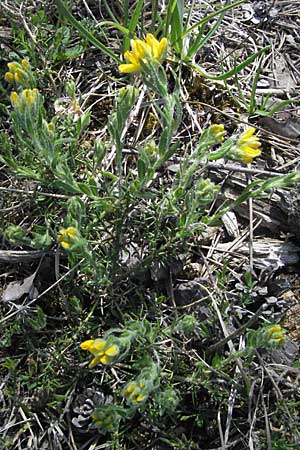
(153,44)
(247,159)
(65,244)
(249,151)
(130,57)
(247,133)
(252,143)
(139,398)
(71,232)
(94,362)
(140,49)
(162,48)
(129,68)
(113,350)
(247,156)
(105,359)
(131,387)
(86,345)
(99,345)
(151,40)
(275,329)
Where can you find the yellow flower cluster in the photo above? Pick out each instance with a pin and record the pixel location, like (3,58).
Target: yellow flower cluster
(134,392)
(276,334)
(247,146)
(67,237)
(27,98)
(18,73)
(104,424)
(107,418)
(217,132)
(150,50)
(137,391)
(102,350)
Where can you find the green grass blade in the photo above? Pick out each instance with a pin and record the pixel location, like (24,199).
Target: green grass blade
(126,12)
(110,13)
(177,27)
(154,16)
(170,11)
(133,22)
(252,103)
(282,105)
(84,32)
(211,16)
(136,15)
(230,73)
(119,27)
(240,102)
(196,45)
(199,43)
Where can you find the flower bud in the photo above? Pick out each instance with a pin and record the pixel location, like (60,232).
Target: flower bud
(9,77)
(25,64)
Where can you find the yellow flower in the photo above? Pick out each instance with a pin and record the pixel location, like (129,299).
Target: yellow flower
(101,350)
(149,50)
(129,390)
(19,76)
(13,66)
(139,398)
(217,132)
(67,237)
(20,73)
(9,77)
(134,392)
(25,64)
(29,96)
(247,147)
(15,99)
(87,345)
(276,334)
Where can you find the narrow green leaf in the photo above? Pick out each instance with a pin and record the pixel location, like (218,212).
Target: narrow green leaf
(154,16)
(141,169)
(119,27)
(177,27)
(84,32)
(282,105)
(199,43)
(136,15)
(170,11)
(211,16)
(230,73)
(252,103)
(88,189)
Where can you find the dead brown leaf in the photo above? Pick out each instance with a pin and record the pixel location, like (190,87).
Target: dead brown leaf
(16,289)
